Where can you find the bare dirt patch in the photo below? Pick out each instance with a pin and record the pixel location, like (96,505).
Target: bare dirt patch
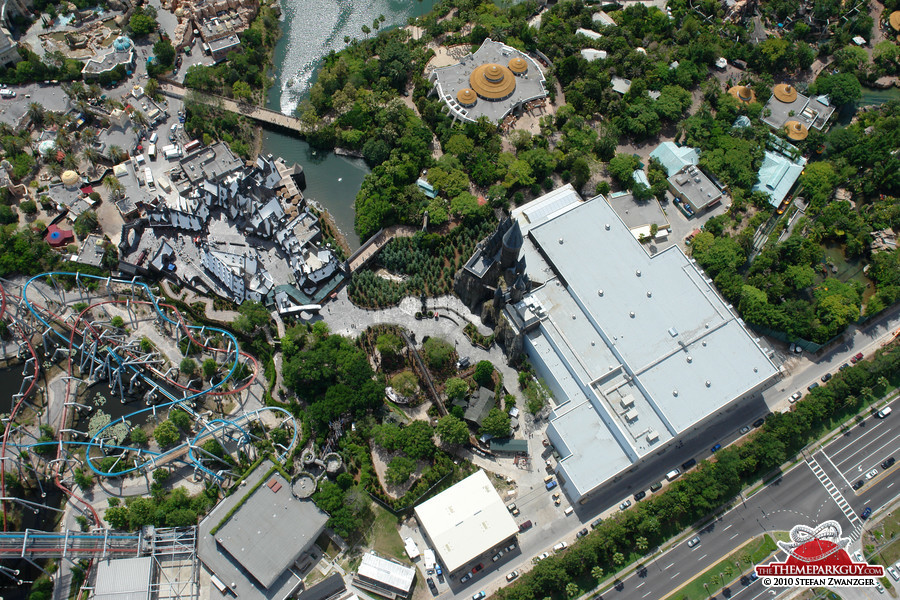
(381,459)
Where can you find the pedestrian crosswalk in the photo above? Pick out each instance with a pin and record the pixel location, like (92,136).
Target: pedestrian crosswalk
(838,497)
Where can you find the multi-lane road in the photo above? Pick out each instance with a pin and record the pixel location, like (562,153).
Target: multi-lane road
(813,491)
(818,490)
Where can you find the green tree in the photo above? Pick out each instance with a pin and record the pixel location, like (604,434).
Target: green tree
(438,353)
(138,437)
(597,573)
(399,470)
(83,477)
(29,207)
(141,22)
(164,52)
(389,346)
(572,590)
(818,180)
(842,88)
(452,431)
(619,559)
(85,223)
(496,423)
(241,90)
(641,544)
(620,168)
(209,368)
(166,434)
(117,322)
(484,371)
(456,389)
(188,366)
(253,316)
(180,419)
(406,383)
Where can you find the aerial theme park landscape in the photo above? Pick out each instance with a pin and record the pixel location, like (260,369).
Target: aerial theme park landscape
(456,299)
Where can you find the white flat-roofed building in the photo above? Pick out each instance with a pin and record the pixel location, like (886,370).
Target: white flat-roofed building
(466,522)
(124,579)
(384,576)
(637,349)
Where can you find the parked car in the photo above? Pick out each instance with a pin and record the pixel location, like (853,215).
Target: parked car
(512,575)
(754,576)
(888,463)
(693,541)
(596,523)
(844,366)
(560,547)
(716,447)
(826,377)
(497,556)
(511,547)
(625,505)
(656,486)
(857,357)
(478,596)
(432,586)
(581,533)
(688,464)
(857,556)
(879,587)
(524,526)
(477,568)
(812,386)
(858,484)
(894,573)
(759,422)
(541,557)
(465,578)
(866,513)
(640,496)
(795,396)
(551,485)
(871,473)
(745,429)
(513,509)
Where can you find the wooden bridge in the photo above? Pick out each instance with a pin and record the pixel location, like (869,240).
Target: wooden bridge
(170,88)
(375,243)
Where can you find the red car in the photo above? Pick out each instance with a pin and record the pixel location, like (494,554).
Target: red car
(858,357)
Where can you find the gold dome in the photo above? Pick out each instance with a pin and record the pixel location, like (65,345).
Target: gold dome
(796,130)
(70,178)
(518,65)
(785,92)
(743,94)
(492,81)
(895,20)
(467,97)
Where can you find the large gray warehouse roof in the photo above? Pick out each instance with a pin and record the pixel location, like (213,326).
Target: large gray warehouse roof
(124,579)
(637,349)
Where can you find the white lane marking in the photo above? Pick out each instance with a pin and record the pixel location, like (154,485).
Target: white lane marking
(729,527)
(675,575)
(702,557)
(673,564)
(640,584)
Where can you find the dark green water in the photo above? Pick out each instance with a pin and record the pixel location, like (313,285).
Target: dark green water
(312,29)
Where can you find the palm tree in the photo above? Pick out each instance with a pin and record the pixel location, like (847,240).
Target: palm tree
(36,113)
(597,573)
(113,184)
(88,136)
(883,383)
(92,155)
(70,161)
(115,154)
(866,393)
(641,543)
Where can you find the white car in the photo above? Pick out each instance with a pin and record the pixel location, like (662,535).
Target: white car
(560,547)
(871,473)
(795,396)
(857,556)
(512,575)
(893,573)
(879,587)
(693,541)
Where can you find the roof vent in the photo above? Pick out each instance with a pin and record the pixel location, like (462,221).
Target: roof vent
(673,332)
(573,317)
(600,293)
(755,370)
(675,393)
(631,314)
(708,383)
(690,359)
(649,294)
(607,226)
(560,241)
(704,343)
(638,272)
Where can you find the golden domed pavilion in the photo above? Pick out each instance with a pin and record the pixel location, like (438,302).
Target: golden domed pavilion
(492,82)
(894,20)
(70,178)
(467,97)
(743,94)
(796,130)
(785,92)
